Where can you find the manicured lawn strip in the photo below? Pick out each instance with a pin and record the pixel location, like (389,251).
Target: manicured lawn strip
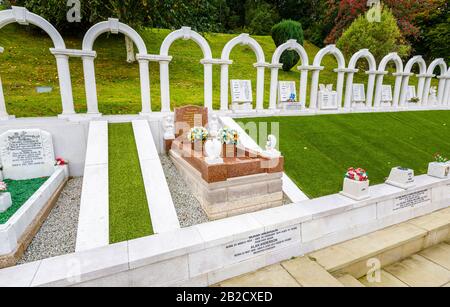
(21,191)
(27,63)
(129,217)
(319,149)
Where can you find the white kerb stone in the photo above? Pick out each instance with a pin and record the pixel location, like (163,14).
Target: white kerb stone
(27,154)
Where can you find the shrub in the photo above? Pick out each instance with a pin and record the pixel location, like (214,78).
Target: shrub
(281,33)
(261,17)
(380,38)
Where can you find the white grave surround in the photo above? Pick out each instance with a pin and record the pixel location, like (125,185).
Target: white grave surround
(358,95)
(241,95)
(287,90)
(27,154)
(386,96)
(208,253)
(11,233)
(328,99)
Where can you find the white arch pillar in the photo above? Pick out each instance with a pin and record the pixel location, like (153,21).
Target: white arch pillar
(397,88)
(444,95)
(65,82)
(90,84)
(349,88)
(145,85)
(274,68)
(3,113)
(224,87)
(260,69)
(404,88)
(315,86)
(208,86)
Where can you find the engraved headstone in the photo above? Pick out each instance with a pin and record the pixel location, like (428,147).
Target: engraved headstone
(287,91)
(189,117)
(432,98)
(241,91)
(327,97)
(386,93)
(411,93)
(27,154)
(359,92)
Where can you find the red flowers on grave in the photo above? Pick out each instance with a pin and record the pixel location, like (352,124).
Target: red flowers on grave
(61,162)
(358,174)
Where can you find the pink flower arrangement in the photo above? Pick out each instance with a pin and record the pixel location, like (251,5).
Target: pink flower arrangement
(61,161)
(3,186)
(358,174)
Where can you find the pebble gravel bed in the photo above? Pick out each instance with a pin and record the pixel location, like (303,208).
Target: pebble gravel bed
(58,234)
(188,208)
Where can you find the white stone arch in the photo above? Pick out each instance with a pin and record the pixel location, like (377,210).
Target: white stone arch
(429,76)
(341,70)
(113,26)
(243,40)
(407,74)
(362,54)
(291,45)
(185,33)
(22,16)
(394,57)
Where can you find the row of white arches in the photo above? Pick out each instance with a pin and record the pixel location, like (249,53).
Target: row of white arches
(345,73)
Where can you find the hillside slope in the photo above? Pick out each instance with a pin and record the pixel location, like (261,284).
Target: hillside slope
(27,63)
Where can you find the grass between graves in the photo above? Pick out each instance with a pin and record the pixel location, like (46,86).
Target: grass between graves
(319,149)
(129,217)
(27,63)
(21,191)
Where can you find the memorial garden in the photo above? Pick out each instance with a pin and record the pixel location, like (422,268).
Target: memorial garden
(205,159)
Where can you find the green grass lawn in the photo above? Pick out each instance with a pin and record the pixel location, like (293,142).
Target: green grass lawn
(27,63)
(319,149)
(21,191)
(129,217)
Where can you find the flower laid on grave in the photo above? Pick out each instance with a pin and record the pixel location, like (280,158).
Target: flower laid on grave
(198,134)
(61,162)
(228,136)
(3,187)
(415,100)
(358,174)
(440,158)
(292,98)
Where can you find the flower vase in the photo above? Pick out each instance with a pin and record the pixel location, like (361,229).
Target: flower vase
(5,201)
(356,190)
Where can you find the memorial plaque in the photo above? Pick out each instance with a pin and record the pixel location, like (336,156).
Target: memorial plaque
(411,93)
(264,242)
(287,91)
(359,92)
(328,100)
(241,91)
(189,117)
(386,93)
(27,154)
(412,200)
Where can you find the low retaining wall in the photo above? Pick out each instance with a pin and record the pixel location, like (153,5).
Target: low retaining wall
(209,253)
(18,232)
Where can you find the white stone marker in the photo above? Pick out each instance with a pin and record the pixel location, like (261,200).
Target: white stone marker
(241,94)
(433,96)
(439,170)
(358,93)
(401,178)
(328,99)
(386,94)
(287,96)
(27,154)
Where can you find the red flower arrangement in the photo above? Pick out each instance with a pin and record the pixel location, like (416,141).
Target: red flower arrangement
(61,161)
(358,174)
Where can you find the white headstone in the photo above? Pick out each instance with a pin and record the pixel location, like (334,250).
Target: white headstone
(386,93)
(433,99)
(27,154)
(327,98)
(358,93)
(287,91)
(411,93)
(241,91)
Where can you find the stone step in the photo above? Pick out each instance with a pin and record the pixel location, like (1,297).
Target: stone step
(387,246)
(439,254)
(386,280)
(272,276)
(309,273)
(417,271)
(350,281)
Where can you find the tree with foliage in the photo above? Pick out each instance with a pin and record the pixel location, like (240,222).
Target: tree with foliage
(260,17)
(380,38)
(281,33)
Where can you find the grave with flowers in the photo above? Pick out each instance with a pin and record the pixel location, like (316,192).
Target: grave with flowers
(226,177)
(31,182)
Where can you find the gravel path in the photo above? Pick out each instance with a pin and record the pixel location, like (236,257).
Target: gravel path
(57,235)
(187,206)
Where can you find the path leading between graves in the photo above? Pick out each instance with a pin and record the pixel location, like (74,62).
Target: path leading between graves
(412,254)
